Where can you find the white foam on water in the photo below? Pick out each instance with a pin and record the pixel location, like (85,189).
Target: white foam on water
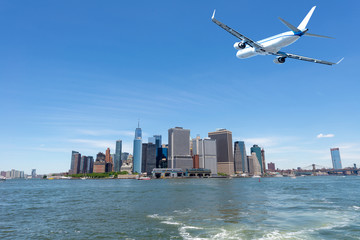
(157,216)
(224,234)
(356,207)
(184,211)
(170,223)
(186,235)
(302,234)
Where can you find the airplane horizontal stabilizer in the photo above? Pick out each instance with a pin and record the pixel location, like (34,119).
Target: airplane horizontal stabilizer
(316,35)
(292,28)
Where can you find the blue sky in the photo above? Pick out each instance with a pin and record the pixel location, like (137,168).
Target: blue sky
(77,75)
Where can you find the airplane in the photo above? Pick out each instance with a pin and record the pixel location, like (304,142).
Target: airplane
(271,46)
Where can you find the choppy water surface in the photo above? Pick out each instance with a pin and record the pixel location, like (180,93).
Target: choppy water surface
(275,208)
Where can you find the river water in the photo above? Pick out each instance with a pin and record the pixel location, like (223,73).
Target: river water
(274,208)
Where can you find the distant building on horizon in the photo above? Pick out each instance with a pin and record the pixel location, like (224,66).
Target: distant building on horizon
(224,150)
(335,157)
(13,174)
(271,166)
(100,164)
(179,148)
(137,151)
(33,173)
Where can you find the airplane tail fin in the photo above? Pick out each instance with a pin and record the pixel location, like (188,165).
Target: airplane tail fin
(305,21)
(301,29)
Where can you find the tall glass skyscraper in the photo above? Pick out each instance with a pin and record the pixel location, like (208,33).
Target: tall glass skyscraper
(117,160)
(240,158)
(137,153)
(75,162)
(257,150)
(335,157)
(138,133)
(157,141)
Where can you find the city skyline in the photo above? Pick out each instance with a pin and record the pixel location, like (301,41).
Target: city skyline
(78,76)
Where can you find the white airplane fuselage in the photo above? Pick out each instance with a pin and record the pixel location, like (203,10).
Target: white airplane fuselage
(270,44)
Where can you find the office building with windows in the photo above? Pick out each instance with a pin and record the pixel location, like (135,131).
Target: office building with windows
(137,151)
(179,148)
(117,156)
(335,157)
(148,160)
(240,159)
(257,150)
(204,154)
(224,150)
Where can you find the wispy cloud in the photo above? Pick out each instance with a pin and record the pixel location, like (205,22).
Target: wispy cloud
(103,132)
(263,142)
(330,135)
(103,144)
(42,148)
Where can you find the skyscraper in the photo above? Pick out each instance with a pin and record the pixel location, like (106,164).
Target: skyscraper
(138,133)
(225,158)
(137,153)
(117,158)
(179,148)
(240,159)
(162,157)
(335,157)
(206,152)
(33,173)
(73,169)
(263,160)
(158,141)
(108,161)
(90,164)
(83,164)
(75,162)
(148,157)
(254,165)
(257,150)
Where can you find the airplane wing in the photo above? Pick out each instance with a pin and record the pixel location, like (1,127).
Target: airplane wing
(290,55)
(247,40)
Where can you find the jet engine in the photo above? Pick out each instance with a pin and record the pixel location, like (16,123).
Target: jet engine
(279,60)
(239,45)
